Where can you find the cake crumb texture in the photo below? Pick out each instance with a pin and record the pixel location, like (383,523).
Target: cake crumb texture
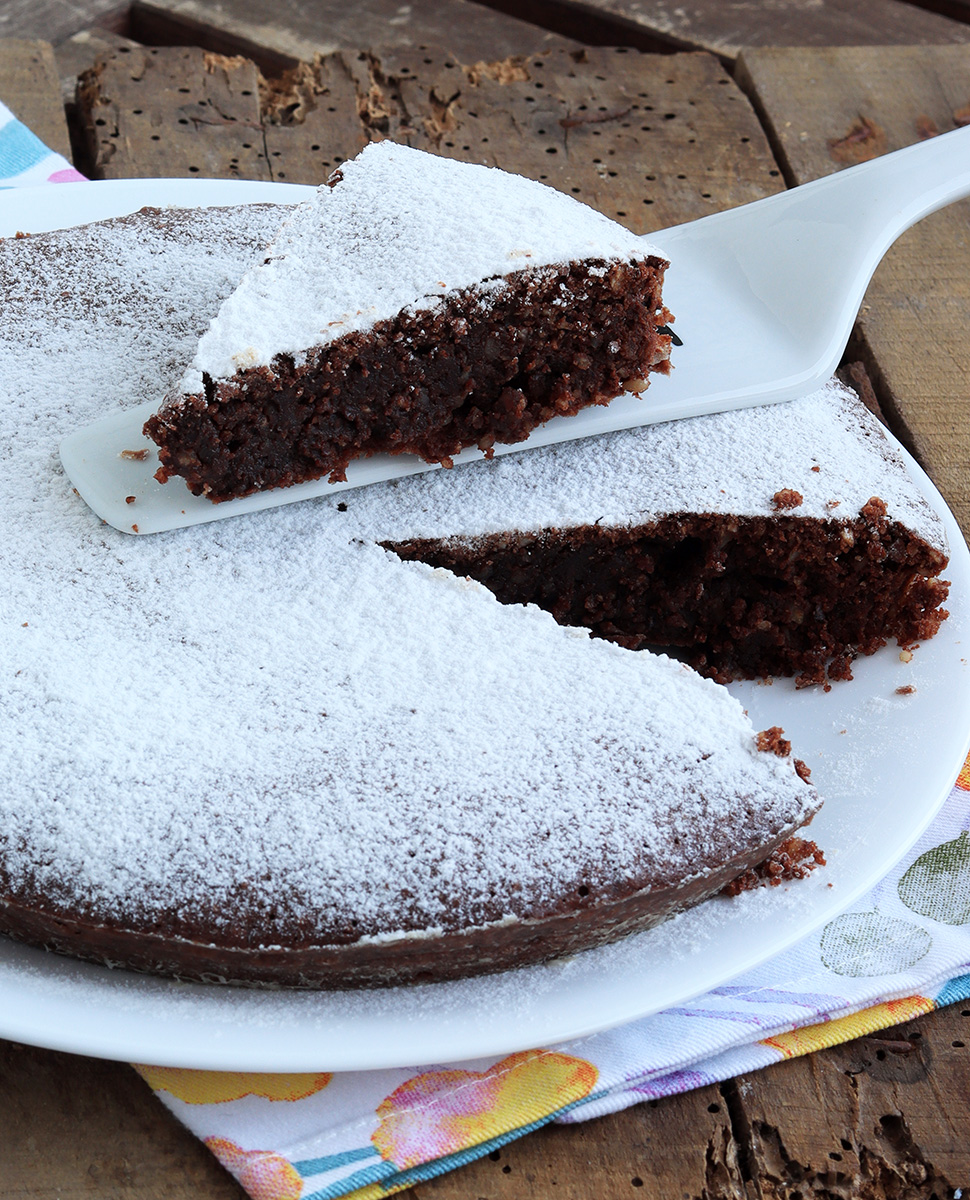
(415,305)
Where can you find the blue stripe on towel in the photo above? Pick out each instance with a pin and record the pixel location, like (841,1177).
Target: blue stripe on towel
(19,149)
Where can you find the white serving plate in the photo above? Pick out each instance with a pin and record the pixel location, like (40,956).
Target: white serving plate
(884,762)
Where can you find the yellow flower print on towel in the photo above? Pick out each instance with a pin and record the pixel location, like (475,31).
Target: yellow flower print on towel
(844,1029)
(441,1112)
(264,1175)
(216,1087)
(963,779)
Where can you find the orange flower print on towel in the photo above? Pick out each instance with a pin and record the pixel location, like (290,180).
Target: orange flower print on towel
(441,1112)
(963,779)
(216,1087)
(844,1029)
(264,1175)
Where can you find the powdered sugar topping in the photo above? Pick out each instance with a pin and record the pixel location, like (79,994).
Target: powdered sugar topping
(827,448)
(400,230)
(278,703)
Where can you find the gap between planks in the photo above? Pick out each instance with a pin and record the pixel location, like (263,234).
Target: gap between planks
(824,109)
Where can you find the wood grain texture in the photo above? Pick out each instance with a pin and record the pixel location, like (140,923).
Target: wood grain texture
(912,330)
(172,112)
(648,140)
(726,26)
(84,1129)
(76,1127)
(682,1146)
(280,33)
(883,1116)
(55,20)
(30,88)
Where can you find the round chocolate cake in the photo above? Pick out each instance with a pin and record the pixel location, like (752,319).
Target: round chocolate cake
(272,751)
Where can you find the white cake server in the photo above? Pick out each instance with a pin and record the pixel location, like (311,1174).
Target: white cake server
(764,295)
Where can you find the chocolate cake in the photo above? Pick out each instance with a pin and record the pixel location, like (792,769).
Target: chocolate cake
(746,564)
(413,305)
(274,751)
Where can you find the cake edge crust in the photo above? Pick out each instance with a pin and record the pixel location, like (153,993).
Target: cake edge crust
(389,960)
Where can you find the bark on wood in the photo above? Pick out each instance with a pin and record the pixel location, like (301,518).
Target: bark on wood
(30,89)
(912,330)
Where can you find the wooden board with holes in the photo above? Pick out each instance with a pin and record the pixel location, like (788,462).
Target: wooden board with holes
(649,140)
(881,1116)
(172,112)
(829,108)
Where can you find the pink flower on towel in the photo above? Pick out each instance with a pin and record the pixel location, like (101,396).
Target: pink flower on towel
(440,1112)
(66,175)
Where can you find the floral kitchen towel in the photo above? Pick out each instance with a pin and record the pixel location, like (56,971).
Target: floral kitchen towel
(25,160)
(902,951)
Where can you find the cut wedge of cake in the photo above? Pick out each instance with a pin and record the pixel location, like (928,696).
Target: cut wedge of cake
(782,540)
(413,305)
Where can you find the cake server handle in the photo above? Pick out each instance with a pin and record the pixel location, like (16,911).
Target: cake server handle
(795,268)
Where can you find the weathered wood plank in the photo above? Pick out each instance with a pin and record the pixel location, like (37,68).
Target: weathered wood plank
(883,1116)
(55,20)
(682,1146)
(279,33)
(176,111)
(913,325)
(78,53)
(30,89)
(78,1128)
(648,140)
(726,26)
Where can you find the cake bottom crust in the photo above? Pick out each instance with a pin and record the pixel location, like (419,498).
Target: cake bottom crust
(580,922)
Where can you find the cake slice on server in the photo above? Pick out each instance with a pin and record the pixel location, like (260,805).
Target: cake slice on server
(412,305)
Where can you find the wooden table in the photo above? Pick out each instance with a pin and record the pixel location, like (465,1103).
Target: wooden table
(593,98)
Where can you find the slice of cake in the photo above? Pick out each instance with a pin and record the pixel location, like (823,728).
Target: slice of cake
(782,540)
(413,305)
